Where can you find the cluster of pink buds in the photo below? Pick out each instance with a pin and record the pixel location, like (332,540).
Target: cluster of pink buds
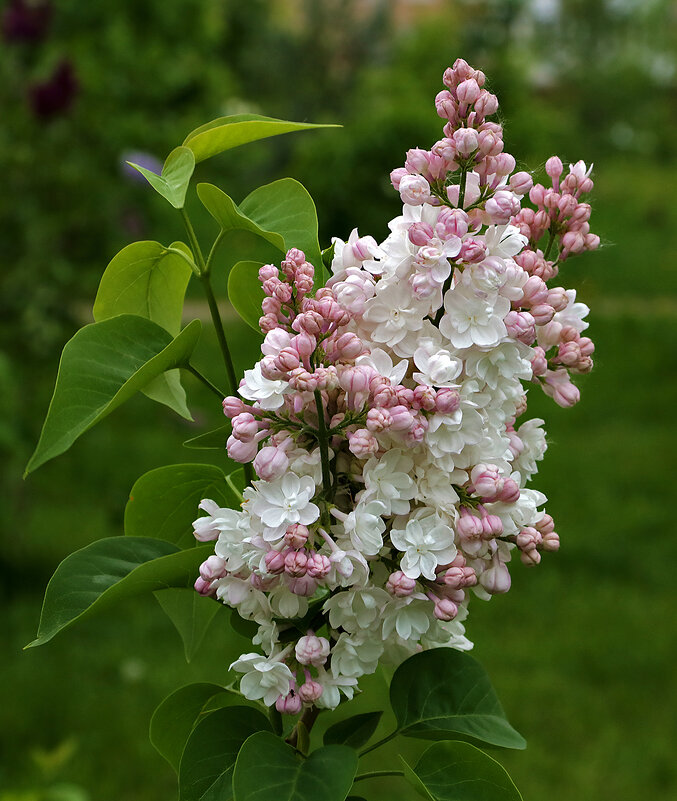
(561,215)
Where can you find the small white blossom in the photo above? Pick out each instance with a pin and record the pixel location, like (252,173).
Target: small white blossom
(264,679)
(426,541)
(256,387)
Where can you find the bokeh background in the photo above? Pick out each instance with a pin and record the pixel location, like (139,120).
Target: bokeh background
(583,650)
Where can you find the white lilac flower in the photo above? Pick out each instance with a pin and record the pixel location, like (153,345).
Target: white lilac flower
(283,502)
(409,618)
(355,655)
(425,541)
(506,362)
(356,610)
(256,387)
(333,687)
(393,313)
(209,526)
(264,679)
(438,366)
(389,480)
(365,527)
(533,438)
(470,320)
(504,241)
(287,604)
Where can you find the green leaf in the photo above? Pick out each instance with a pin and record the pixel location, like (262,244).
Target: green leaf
(457,771)
(101,367)
(442,692)
(215,439)
(191,614)
(174,718)
(208,759)
(173,182)
(286,206)
(164,502)
(413,780)
(147,279)
(237,482)
(110,570)
(230,218)
(245,292)
(354,731)
(226,133)
(267,769)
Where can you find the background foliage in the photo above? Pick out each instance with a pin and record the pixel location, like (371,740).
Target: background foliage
(581,651)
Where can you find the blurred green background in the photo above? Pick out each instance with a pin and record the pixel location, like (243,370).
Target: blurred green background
(582,651)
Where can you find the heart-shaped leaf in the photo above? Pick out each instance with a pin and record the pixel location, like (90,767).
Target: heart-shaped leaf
(442,692)
(245,292)
(191,614)
(208,759)
(149,280)
(215,439)
(226,133)
(164,502)
(173,182)
(286,206)
(354,731)
(110,570)
(101,367)
(457,771)
(267,769)
(174,718)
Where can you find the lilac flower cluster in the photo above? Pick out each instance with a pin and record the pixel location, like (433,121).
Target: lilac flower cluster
(383,419)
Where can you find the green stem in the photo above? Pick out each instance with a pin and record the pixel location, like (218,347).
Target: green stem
(461,188)
(380,743)
(220,332)
(323,442)
(186,258)
(194,244)
(377,774)
(212,252)
(205,381)
(551,241)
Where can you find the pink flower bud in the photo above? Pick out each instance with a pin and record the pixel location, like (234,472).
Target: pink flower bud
(420,233)
(468,91)
(447,400)
(295,563)
(501,207)
(203,587)
(568,353)
(310,691)
(356,379)
(550,541)
(529,538)
(378,419)
(458,578)
(245,427)
(473,251)
(559,387)
(400,585)
(445,609)
(349,346)
(267,272)
(362,443)
(539,363)
(425,397)
(312,650)
(241,451)
(587,346)
(530,558)
(274,562)
(296,535)
(496,579)
(557,298)
(487,480)
(233,406)
(417,161)
(542,313)
(414,190)
(396,176)
(271,462)
(554,168)
(451,222)
(213,568)
(466,141)
(546,525)
(486,104)
(521,326)
(402,418)
(290,704)
(318,566)
(510,492)
(287,360)
(521,183)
